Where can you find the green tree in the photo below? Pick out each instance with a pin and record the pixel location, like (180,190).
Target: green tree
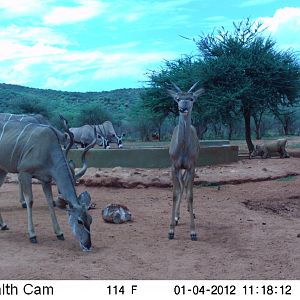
(184,72)
(93,114)
(141,119)
(244,74)
(30,106)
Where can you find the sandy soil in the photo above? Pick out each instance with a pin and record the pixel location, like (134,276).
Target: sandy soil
(247,218)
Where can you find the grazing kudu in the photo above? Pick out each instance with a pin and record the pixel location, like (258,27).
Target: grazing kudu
(33,151)
(184,148)
(36,119)
(108,132)
(84,135)
(61,203)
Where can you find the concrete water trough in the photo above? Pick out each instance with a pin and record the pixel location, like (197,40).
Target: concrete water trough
(212,153)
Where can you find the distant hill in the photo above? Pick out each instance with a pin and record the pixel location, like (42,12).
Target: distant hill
(116,102)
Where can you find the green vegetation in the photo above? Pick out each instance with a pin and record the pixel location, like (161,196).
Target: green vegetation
(78,108)
(245,78)
(251,91)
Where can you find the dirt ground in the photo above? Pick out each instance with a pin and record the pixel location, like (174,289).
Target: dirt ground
(247,219)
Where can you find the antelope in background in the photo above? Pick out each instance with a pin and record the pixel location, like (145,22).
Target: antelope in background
(34,151)
(184,149)
(84,135)
(108,132)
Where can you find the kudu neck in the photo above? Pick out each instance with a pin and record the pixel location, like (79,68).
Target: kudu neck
(64,179)
(184,127)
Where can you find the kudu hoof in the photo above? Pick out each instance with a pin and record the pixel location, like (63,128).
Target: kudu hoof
(60,237)
(4,227)
(193,236)
(33,240)
(24,205)
(171,235)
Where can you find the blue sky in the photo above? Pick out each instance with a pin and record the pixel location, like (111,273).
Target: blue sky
(96,45)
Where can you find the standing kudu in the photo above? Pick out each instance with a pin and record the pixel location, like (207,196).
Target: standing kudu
(184,148)
(34,151)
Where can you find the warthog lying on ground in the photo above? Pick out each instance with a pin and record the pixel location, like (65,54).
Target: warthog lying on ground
(264,150)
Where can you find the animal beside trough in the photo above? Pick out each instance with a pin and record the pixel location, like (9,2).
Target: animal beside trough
(265,150)
(108,132)
(84,135)
(106,135)
(33,151)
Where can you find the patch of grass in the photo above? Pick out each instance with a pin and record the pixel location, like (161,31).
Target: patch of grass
(287,178)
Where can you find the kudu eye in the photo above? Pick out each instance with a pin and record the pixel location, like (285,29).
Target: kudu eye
(80,221)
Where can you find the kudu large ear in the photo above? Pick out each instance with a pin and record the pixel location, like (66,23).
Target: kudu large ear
(198,93)
(173,94)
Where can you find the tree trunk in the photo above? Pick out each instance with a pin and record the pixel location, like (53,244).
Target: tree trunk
(257,117)
(230,131)
(247,119)
(286,129)
(159,132)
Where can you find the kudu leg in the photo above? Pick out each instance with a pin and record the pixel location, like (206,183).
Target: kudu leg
(49,196)
(189,184)
(3,226)
(176,201)
(181,174)
(21,197)
(26,186)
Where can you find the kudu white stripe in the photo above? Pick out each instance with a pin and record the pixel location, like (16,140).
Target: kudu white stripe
(36,153)
(17,140)
(3,128)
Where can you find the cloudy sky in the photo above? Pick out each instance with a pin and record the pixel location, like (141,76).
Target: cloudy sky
(96,45)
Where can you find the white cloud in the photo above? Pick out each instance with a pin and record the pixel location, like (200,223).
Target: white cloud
(249,3)
(13,8)
(24,59)
(139,9)
(72,71)
(72,14)
(284,26)
(62,84)
(32,35)
(30,43)
(11,50)
(287,18)
(129,64)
